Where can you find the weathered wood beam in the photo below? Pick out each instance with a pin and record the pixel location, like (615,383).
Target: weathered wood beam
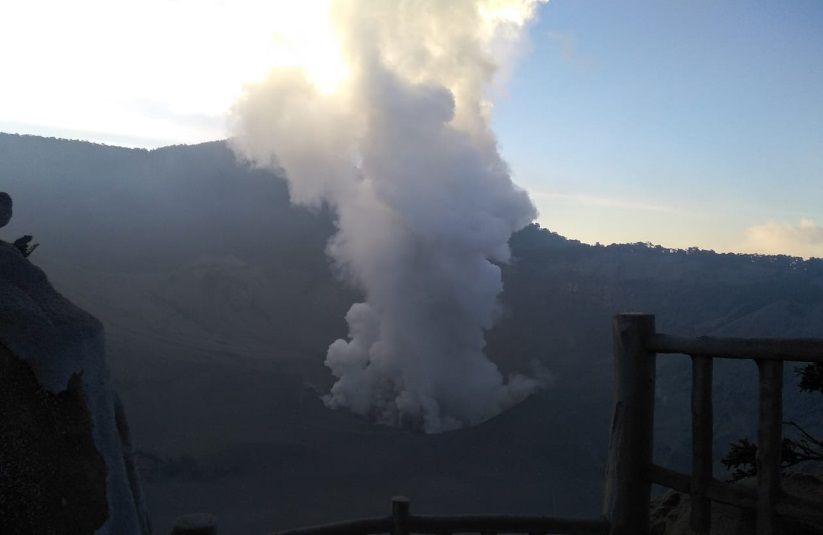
(400,515)
(195,524)
(769,444)
(738,496)
(506,524)
(717,491)
(628,487)
(369,526)
(446,525)
(702,431)
(801,350)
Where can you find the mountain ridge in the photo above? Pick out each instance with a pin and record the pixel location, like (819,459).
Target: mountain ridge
(219,303)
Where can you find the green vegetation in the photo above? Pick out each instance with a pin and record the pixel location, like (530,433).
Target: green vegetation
(801,447)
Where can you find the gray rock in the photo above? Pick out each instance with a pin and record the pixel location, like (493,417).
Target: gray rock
(52,474)
(670,512)
(61,425)
(5,209)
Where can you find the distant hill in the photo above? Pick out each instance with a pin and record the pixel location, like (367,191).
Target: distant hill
(219,303)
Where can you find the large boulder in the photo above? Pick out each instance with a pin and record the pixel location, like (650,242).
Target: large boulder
(66,464)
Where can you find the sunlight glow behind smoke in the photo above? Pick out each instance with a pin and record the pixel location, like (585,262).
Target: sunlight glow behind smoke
(152,69)
(400,147)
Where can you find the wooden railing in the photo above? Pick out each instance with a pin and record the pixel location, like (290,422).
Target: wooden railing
(401,522)
(631,471)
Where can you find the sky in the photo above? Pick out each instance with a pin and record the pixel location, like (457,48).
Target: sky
(680,123)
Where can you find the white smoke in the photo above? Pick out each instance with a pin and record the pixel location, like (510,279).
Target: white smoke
(403,152)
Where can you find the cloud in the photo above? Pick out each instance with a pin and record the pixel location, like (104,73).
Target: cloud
(193,62)
(802,239)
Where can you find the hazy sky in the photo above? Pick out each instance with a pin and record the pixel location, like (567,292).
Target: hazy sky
(681,123)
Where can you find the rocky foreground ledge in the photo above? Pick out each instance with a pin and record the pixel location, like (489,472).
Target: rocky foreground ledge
(66,464)
(670,512)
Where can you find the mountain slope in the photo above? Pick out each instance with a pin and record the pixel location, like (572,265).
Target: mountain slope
(219,304)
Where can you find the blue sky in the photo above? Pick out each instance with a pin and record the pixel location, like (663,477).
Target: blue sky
(681,123)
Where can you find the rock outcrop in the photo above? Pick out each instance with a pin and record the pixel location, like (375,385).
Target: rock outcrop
(66,464)
(52,473)
(670,512)
(5,208)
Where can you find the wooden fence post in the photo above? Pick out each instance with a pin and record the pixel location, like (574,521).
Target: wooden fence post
(628,484)
(702,436)
(400,515)
(769,444)
(195,524)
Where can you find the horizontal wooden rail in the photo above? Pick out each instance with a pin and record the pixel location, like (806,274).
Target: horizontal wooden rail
(716,490)
(462,524)
(738,495)
(506,524)
(195,524)
(800,349)
(401,523)
(370,526)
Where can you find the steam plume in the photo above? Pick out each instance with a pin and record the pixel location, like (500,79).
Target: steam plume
(403,152)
